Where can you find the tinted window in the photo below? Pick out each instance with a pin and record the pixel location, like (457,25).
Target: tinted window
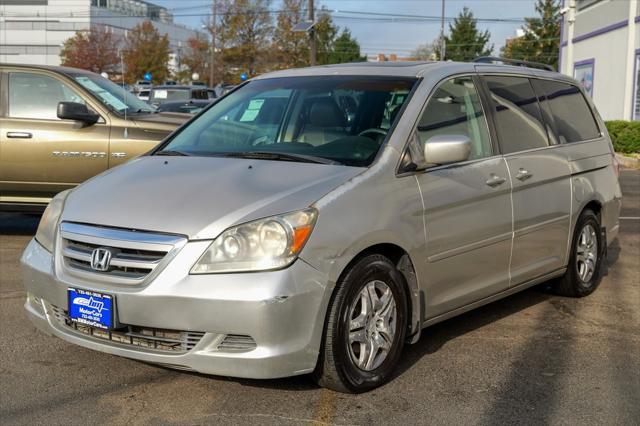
(169,95)
(518,118)
(455,109)
(199,94)
(572,118)
(37,96)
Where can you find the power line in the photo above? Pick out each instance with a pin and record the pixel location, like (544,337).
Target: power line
(338,14)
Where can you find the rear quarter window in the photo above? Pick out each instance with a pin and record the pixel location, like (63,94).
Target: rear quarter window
(572,117)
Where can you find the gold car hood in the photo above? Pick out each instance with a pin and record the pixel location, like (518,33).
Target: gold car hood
(161,120)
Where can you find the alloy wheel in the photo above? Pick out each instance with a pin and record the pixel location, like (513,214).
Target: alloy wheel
(586,253)
(372,325)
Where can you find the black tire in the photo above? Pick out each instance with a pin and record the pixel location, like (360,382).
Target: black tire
(571,284)
(336,368)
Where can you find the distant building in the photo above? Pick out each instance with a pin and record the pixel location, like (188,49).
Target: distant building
(600,47)
(519,33)
(33,31)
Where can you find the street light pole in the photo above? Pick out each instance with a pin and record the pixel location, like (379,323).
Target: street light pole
(442,43)
(214,20)
(312,36)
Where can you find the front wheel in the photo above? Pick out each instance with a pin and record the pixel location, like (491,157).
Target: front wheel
(365,328)
(585,262)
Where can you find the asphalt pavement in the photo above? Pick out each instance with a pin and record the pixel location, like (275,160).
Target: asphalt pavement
(532,358)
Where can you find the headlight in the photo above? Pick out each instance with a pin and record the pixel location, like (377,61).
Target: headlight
(47,228)
(264,244)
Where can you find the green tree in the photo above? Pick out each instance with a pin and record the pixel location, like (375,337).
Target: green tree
(146,51)
(95,50)
(326,32)
(345,49)
(465,42)
(243,36)
(291,49)
(424,52)
(541,39)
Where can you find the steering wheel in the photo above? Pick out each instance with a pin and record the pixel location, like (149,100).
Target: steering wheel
(262,140)
(375,132)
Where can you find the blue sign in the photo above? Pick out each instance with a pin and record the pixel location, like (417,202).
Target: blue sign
(147,76)
(91,308)
(243,76)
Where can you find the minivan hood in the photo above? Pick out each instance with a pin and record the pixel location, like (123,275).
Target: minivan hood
(199,196)
(161,121)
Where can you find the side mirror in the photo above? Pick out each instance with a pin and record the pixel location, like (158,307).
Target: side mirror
(446,149)
(78,112)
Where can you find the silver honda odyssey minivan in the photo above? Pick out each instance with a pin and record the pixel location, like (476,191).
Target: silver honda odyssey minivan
(316,220)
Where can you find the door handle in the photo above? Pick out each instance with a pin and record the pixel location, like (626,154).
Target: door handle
(523,174)
(494,181)
(19,135)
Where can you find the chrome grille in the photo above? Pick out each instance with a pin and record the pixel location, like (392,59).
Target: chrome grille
(134,254)
(237,343)
(141,337)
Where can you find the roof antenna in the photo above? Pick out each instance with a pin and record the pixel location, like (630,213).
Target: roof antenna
(126,106)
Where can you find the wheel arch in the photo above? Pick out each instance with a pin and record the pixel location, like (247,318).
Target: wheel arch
(403,262)
(594,204)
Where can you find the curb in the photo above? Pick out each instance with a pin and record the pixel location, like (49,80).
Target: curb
(628,162)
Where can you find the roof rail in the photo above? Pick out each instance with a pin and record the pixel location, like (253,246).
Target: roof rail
(516,62)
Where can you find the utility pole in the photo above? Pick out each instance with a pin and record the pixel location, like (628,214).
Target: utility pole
(442,42)
(312,36)
(571,20)
(212,30)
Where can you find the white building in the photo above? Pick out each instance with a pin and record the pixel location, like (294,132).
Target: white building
(33,31)
(600,46)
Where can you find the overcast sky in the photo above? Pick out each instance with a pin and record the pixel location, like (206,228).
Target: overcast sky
(379,34)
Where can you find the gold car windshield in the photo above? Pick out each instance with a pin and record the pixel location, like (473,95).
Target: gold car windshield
(113,96)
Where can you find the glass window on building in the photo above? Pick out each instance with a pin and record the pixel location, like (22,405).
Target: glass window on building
(583,72)
(583,4)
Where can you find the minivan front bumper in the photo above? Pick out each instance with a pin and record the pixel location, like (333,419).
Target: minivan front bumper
(281,311)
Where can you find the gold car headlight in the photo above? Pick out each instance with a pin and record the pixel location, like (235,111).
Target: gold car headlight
(46,233)
(265,244)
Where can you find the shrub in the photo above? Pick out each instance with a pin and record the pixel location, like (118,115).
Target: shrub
(625,136)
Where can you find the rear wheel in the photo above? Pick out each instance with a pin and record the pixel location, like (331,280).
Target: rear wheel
(585,263)
(365,328)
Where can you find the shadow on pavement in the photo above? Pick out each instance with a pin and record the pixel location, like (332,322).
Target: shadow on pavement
(19,223)
(295,383)
(436,336)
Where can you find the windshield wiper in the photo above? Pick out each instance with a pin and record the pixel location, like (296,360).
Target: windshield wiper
(268,155)
(172,153)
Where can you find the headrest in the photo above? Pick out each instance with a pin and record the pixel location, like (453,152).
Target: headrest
(324,112)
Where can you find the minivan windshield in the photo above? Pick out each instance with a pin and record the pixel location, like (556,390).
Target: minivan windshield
(327,119)
(111,95)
